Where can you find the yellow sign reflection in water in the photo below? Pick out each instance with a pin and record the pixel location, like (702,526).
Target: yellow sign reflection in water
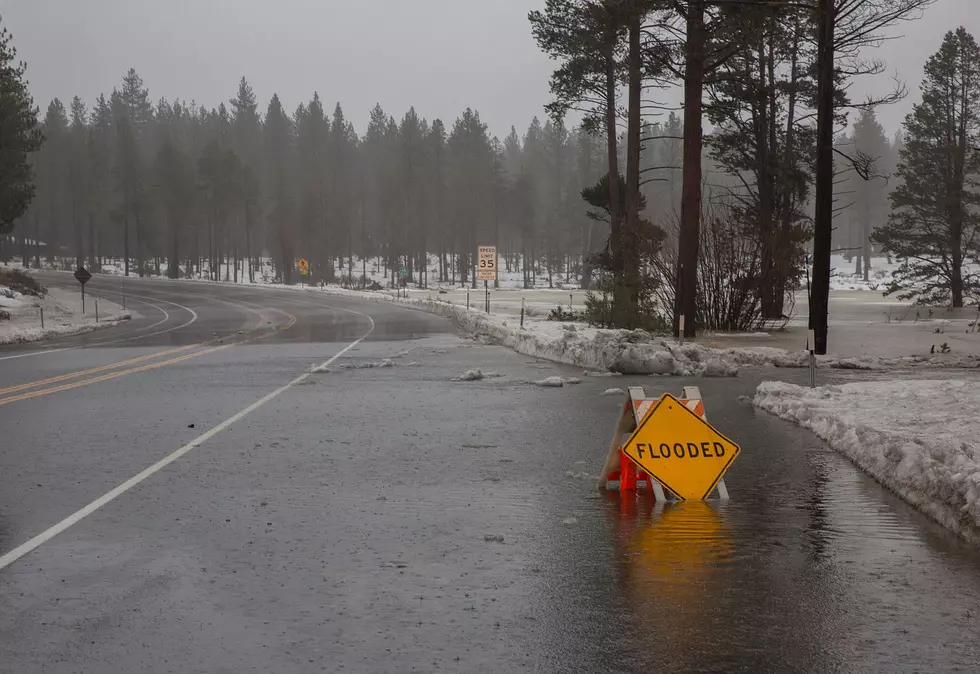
(671,552)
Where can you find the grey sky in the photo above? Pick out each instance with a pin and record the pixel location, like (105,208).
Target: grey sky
(439,55)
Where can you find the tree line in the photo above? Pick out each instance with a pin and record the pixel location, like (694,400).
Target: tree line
(717,228)
(773,79)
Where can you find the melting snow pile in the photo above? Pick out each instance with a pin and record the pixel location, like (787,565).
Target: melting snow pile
(624,351)
(557,382)
(387,362)
(918,438)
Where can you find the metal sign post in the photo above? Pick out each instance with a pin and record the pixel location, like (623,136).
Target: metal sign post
(810,339)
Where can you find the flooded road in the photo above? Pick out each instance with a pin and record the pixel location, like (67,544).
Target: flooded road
(392,520)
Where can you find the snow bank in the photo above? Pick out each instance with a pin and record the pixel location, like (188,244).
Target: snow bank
(918,438)
(624,351)
(62,315)
(765,355)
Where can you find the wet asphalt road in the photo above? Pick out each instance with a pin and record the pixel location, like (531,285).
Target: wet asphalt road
(391,520)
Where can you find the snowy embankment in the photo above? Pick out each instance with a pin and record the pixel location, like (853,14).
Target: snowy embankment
(768,356)
(623,351)
(917,438)
(62,315)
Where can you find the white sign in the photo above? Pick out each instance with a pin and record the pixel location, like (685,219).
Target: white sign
(486,269)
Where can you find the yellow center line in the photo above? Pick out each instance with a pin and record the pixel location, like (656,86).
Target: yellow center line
(94,370)
(113,375)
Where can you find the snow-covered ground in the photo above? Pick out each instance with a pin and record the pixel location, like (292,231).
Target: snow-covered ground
(62,315)
(843,277)
(919,438)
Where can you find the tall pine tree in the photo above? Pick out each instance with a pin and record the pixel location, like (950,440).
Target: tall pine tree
(934,228)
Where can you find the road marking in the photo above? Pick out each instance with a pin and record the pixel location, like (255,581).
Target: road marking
(113,375)
(37,353)
(73,519)
(86,382)
(194,317)
(152,334)
(94,370)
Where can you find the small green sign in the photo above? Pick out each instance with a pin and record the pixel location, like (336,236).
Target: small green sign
(403,271)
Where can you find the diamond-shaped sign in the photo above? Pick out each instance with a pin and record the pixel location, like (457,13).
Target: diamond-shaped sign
(681,450)
(83,275)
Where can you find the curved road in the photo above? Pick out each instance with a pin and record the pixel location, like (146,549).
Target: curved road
(179,494)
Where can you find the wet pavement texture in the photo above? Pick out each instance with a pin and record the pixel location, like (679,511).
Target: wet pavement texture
(392,520)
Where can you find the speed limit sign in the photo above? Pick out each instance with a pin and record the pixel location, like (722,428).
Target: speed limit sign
(486,269)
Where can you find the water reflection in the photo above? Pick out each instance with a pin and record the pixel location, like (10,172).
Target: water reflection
(670,551)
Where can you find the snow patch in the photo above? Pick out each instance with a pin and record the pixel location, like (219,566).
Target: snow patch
(917,438)
(613,392)
(470,375)
(62,315)
(387,362)
(556,382)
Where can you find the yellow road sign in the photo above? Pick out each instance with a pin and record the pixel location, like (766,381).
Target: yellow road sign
(680,449)
(303,264)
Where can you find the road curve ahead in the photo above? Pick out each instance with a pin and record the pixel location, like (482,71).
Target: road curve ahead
(182,494)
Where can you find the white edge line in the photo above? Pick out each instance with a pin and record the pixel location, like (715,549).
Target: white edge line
(73,519)
(38,352)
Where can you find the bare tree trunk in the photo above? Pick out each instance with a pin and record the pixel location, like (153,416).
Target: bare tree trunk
(689,244)
(612,157)
(126,243)
(823,226)
(630,235)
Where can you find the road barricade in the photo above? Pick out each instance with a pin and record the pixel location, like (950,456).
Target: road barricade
(672,449)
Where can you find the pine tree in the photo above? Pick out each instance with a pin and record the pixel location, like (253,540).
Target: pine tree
(20,135)
(53,184)
(100,151)
(870,208)
(247,143)
(134,112)
(471,168)
(763,91)
(411,160)
(279,135)
(175,187)
(312,138)
(342,160)
(78,176)
(435,183)
(934,228)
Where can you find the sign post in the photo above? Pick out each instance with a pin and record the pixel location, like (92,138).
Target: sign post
(486,270)
(83,276)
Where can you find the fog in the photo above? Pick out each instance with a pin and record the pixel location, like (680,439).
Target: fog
(438,55)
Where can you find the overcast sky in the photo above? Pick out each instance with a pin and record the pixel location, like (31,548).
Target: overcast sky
(438,55)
